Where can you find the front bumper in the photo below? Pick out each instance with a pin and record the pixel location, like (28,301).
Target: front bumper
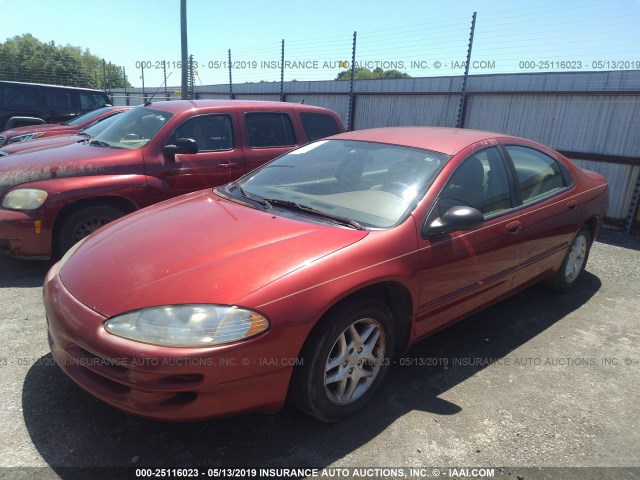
(23,235)
(164,383)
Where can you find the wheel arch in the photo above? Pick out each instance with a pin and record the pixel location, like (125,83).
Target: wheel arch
(394,295)
(121,203)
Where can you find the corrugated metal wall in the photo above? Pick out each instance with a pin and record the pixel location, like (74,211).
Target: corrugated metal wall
(595,113)
(622,181)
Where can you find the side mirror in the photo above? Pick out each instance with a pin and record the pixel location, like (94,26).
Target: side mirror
(456,218)
(183,145)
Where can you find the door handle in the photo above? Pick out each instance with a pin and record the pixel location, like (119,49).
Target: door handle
(513,227)
(572,204)
(226,165)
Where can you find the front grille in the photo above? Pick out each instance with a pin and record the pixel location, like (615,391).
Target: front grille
(3,138)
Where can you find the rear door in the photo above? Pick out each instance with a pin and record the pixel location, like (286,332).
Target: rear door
(60,104)
(466,270)
(267,136)
(550,213)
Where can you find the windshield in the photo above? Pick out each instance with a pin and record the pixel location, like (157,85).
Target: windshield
(132,129)
(376,185)
(87,117)
(102,125)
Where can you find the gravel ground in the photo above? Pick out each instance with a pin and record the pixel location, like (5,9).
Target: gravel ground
(538,380)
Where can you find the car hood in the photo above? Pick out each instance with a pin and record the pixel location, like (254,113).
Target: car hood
(74,160)
(197,248)
(42,143)
(41,127)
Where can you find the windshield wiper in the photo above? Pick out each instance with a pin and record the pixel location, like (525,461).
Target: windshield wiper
(99,143)
(262,203)
(306,209)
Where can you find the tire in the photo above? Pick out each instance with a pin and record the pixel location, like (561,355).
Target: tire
(344,360)
(83,222)
(573,265)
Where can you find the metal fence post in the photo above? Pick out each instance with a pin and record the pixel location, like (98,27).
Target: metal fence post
(282,73)
(144,95)
(633,207)
(104,76)
(352,106)
(462,111)
(231,95)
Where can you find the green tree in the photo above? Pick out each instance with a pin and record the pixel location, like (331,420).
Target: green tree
(24,58)
(362,73)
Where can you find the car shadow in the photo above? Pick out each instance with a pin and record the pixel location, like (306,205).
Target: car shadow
(70,428)
(18,273)
(619,239)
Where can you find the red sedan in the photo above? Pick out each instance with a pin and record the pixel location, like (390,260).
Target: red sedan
(305,277)
(33,132)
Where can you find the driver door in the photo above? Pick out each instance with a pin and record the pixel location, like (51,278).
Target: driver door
(219,160)
(463,271)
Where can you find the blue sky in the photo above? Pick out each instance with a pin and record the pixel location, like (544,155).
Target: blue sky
(423,38)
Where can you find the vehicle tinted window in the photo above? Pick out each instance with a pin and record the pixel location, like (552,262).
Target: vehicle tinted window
(479,182)
(58,100)
(132,129)
(318,125)
(538,174)
(87,117)
(19,96)
(269,130)
(91,100)
(211,132)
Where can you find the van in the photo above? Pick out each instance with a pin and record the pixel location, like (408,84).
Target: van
(24,104)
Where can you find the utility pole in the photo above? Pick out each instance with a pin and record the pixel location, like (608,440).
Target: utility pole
(185,49)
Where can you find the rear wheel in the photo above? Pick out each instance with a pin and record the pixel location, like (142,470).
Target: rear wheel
(574,263)
(83,222)
(344,360)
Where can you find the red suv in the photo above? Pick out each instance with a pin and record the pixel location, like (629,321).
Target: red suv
(52,198)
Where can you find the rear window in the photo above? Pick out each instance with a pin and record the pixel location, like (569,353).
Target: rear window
(318,125)
(92,100)
(268,129)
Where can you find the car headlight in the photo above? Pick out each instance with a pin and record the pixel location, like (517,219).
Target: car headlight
(26,137)
(24,199)
(200,325)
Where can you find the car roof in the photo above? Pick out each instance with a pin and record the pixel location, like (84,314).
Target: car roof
(439,139)
(87,89)
(177,106)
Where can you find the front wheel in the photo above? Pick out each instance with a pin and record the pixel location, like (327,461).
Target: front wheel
(82,223)
(574,263)
(344,360)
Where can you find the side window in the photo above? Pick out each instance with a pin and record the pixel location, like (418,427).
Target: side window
(538,174)
(211,132)
(318,125)
(479,182)
(58,100)
(269,130)
(19,96)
